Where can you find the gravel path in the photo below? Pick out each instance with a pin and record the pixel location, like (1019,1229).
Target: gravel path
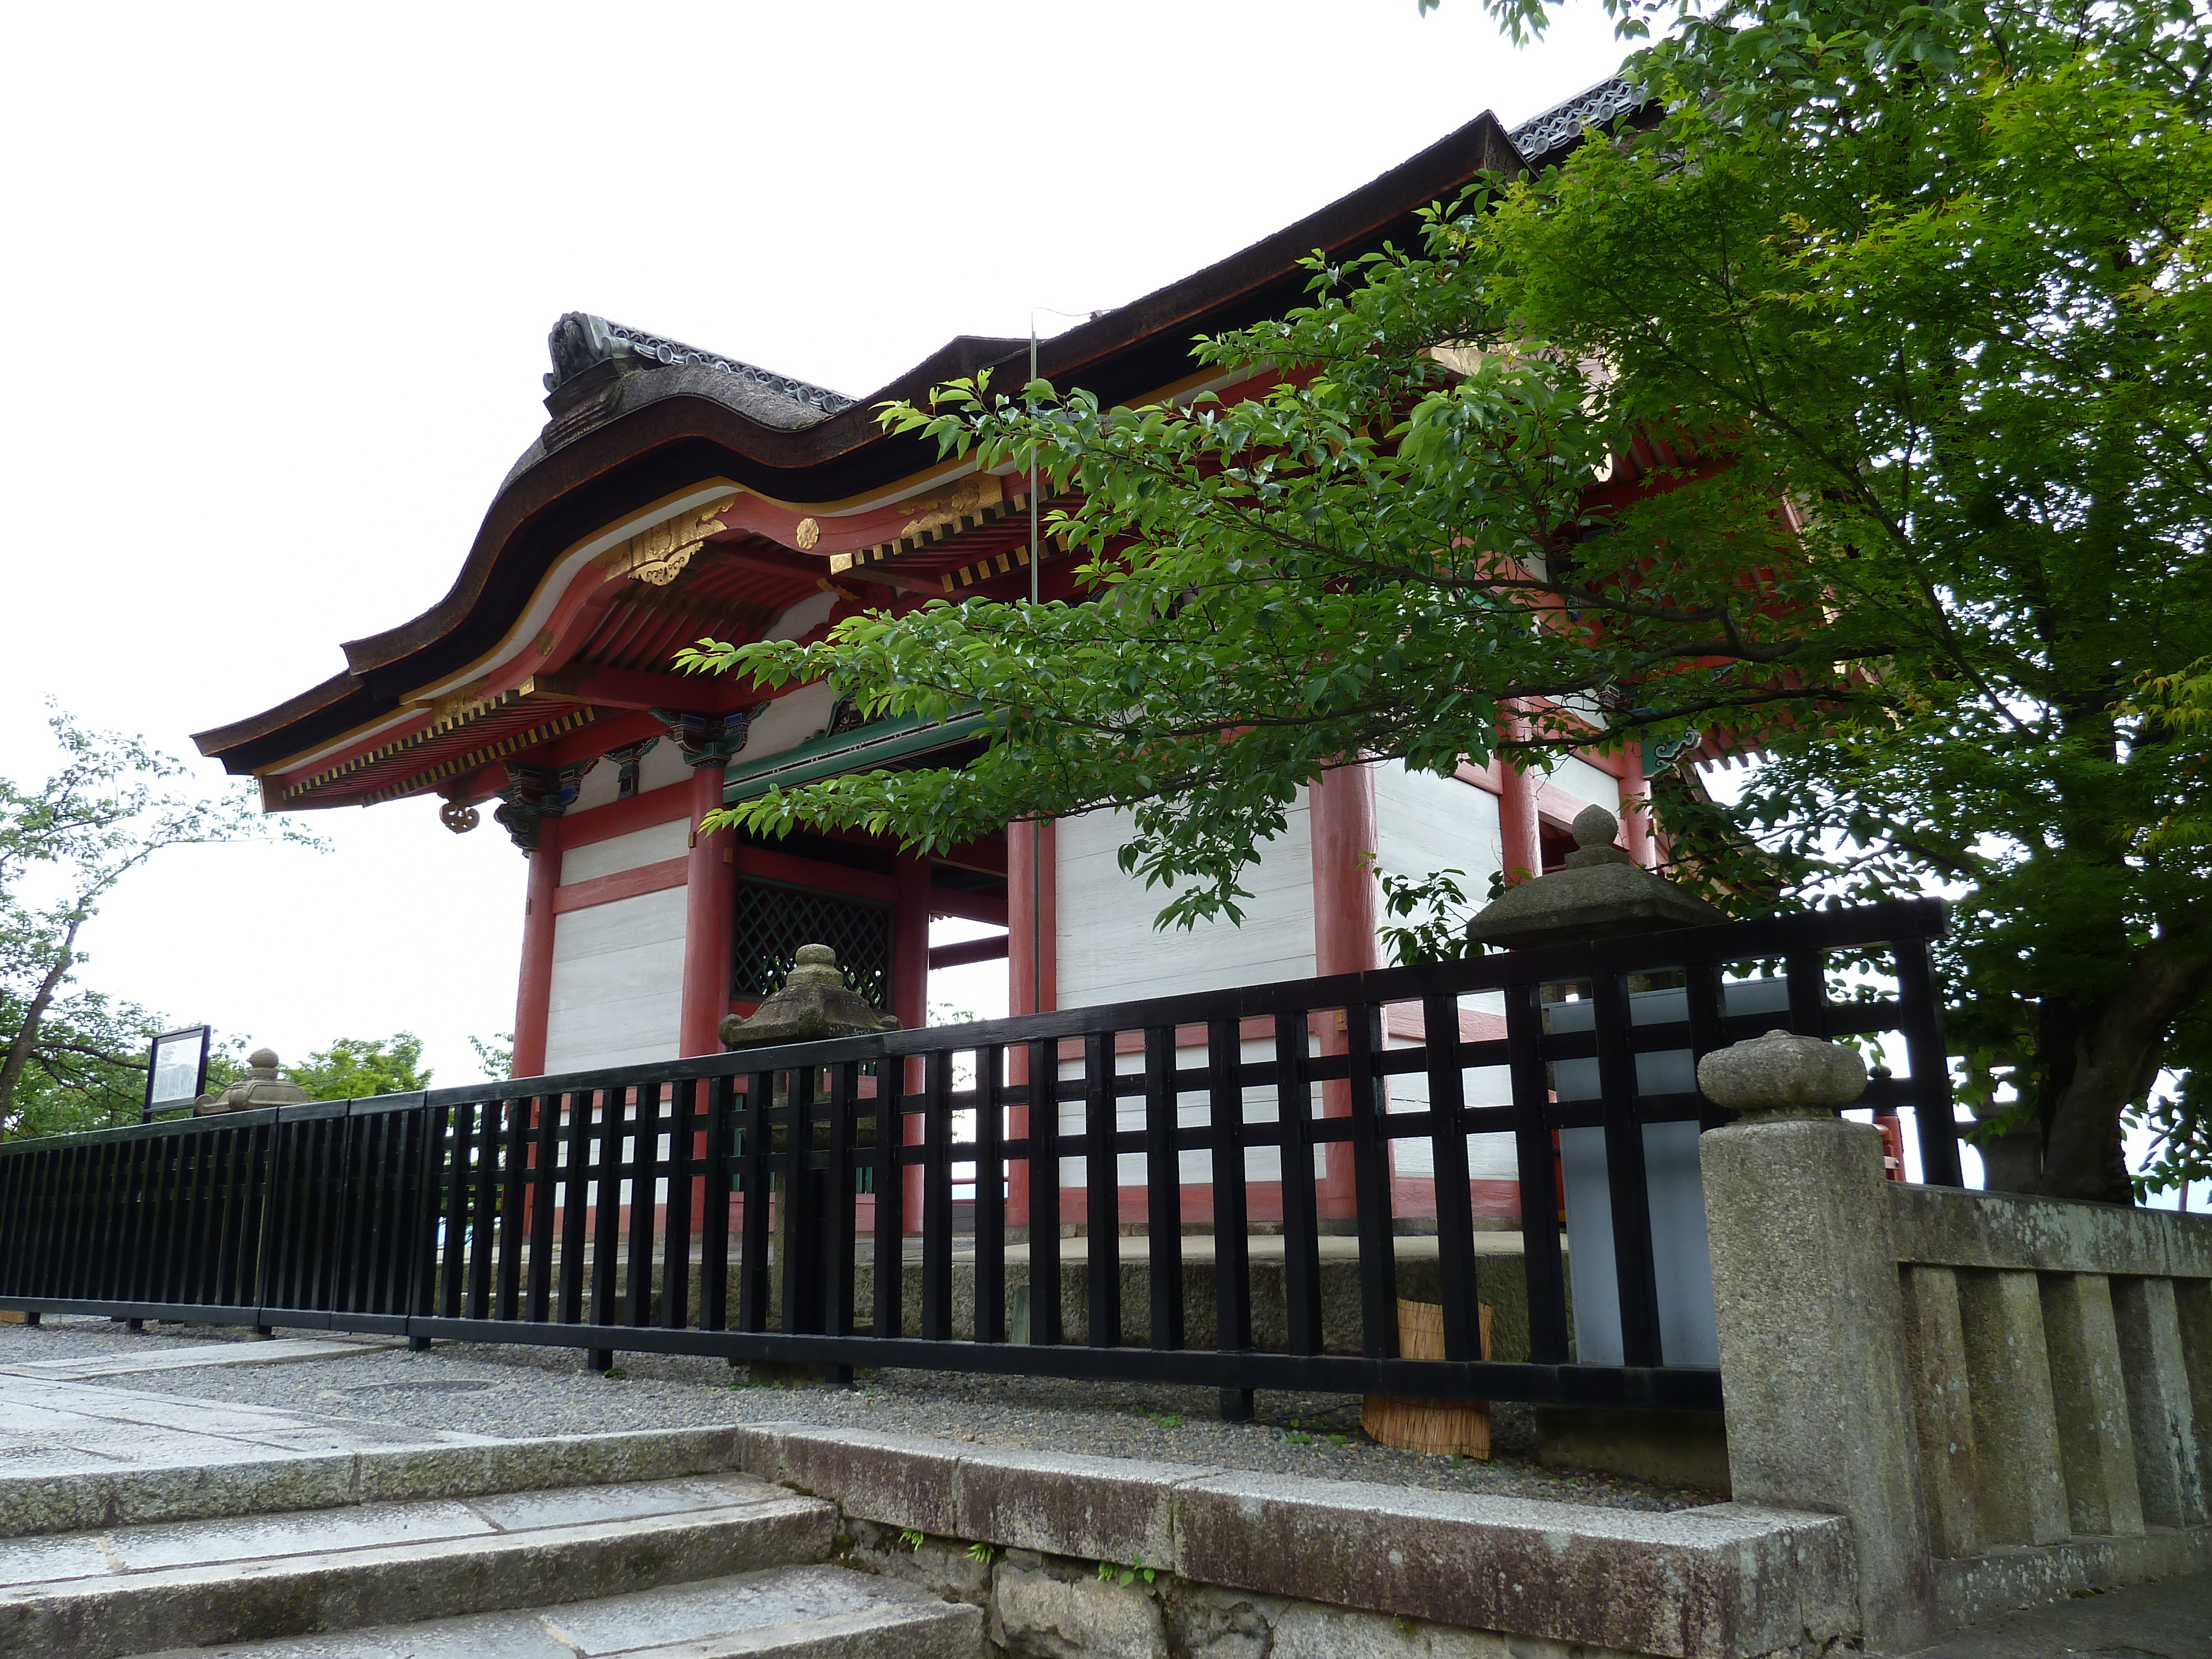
(520,1392)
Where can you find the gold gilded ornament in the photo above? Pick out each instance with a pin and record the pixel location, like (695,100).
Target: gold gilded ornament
(657,556)
(806,535)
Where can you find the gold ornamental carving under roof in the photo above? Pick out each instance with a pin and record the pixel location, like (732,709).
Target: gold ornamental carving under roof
(657,555)
(965,499)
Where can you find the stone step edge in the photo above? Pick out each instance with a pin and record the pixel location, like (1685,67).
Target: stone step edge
(38,1503)
(199,1606)
(1725,1578)
(906,1624)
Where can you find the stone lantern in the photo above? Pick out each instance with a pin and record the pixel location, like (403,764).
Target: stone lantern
(815,1005)
(260,1086)
(1601,894)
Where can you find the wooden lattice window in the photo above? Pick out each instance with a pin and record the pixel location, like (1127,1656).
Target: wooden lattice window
(775,920)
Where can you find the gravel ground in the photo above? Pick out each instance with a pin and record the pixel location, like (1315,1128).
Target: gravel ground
(480,1388)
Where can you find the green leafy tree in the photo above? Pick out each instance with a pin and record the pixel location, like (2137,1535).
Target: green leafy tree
(356,1068)
(70,1058)
(1855,412)
(495,1054)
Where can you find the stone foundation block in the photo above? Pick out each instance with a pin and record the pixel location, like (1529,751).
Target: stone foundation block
(1041,1613)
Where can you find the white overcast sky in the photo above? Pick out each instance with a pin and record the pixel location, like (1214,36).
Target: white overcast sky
(277,282)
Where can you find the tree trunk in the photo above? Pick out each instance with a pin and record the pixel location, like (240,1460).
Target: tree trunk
(2101,1057)
(27,1038)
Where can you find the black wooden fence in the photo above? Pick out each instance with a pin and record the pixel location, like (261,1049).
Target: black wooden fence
(608,1210)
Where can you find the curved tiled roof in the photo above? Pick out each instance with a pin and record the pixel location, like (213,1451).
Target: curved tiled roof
(637,416)
(580,340)
(1558,126)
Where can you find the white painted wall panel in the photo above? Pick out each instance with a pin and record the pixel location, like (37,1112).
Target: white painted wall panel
(1110,951)
(786,722)
(1587,782)
(598,787)
(653,845)
(661,765)
(1427,824)
(618,983)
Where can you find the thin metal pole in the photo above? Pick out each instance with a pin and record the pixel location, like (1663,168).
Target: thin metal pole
(1037,827)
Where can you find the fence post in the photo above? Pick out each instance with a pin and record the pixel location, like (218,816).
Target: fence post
(1811,1317)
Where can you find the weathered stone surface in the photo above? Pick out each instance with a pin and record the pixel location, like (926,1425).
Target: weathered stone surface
(1999,1581)
(1958,1228)
(1780,1073)
(1037,1614)
(201,1588)
(2169,1463)
(896,1480)
(1811,1317)
(1600,895)
(814,1005)
(2192,1313)
(1103,1509)
(945,1567)
(1936,1370)
(260,1086)
(1730,1579)
(2090,1394)
(1208,1622)
(2022,1498)
(795,1612)
(584,1460)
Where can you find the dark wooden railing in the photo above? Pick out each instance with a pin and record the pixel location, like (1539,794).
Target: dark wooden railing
(621,1209)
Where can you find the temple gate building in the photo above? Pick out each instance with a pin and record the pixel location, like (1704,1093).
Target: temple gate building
(675,493)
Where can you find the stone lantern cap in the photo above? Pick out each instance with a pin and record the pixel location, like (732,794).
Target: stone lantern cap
(1780,1075)
(260,1086)
(1599,895)
(814,1004)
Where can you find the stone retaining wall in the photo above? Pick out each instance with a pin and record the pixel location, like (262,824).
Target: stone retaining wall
(1239,1559)
(2008,1397)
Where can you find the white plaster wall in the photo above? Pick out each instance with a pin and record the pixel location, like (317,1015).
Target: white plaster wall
(787,722)
(1110,952)
(653,845)
(1587,782)
(660,766)
(617,982)
(598,787)
(1427,824)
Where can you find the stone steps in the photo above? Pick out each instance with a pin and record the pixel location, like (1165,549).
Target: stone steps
(103,1594)
(790,1612)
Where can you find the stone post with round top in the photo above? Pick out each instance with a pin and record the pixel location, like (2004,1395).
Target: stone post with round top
(1811,1317)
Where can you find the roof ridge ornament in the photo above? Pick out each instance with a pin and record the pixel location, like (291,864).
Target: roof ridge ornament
(1595,106)
(581,341)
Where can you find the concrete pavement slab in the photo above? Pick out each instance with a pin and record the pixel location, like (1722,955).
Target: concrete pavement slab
(283,1352)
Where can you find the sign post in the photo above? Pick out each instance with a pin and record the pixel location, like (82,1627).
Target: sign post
(176,1070)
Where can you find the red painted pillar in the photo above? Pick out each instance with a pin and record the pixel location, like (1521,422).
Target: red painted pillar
(533,995)
(1032,969)
(1518,839)
(710,881)
(1635,821)
(1342,818)
(910,998)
